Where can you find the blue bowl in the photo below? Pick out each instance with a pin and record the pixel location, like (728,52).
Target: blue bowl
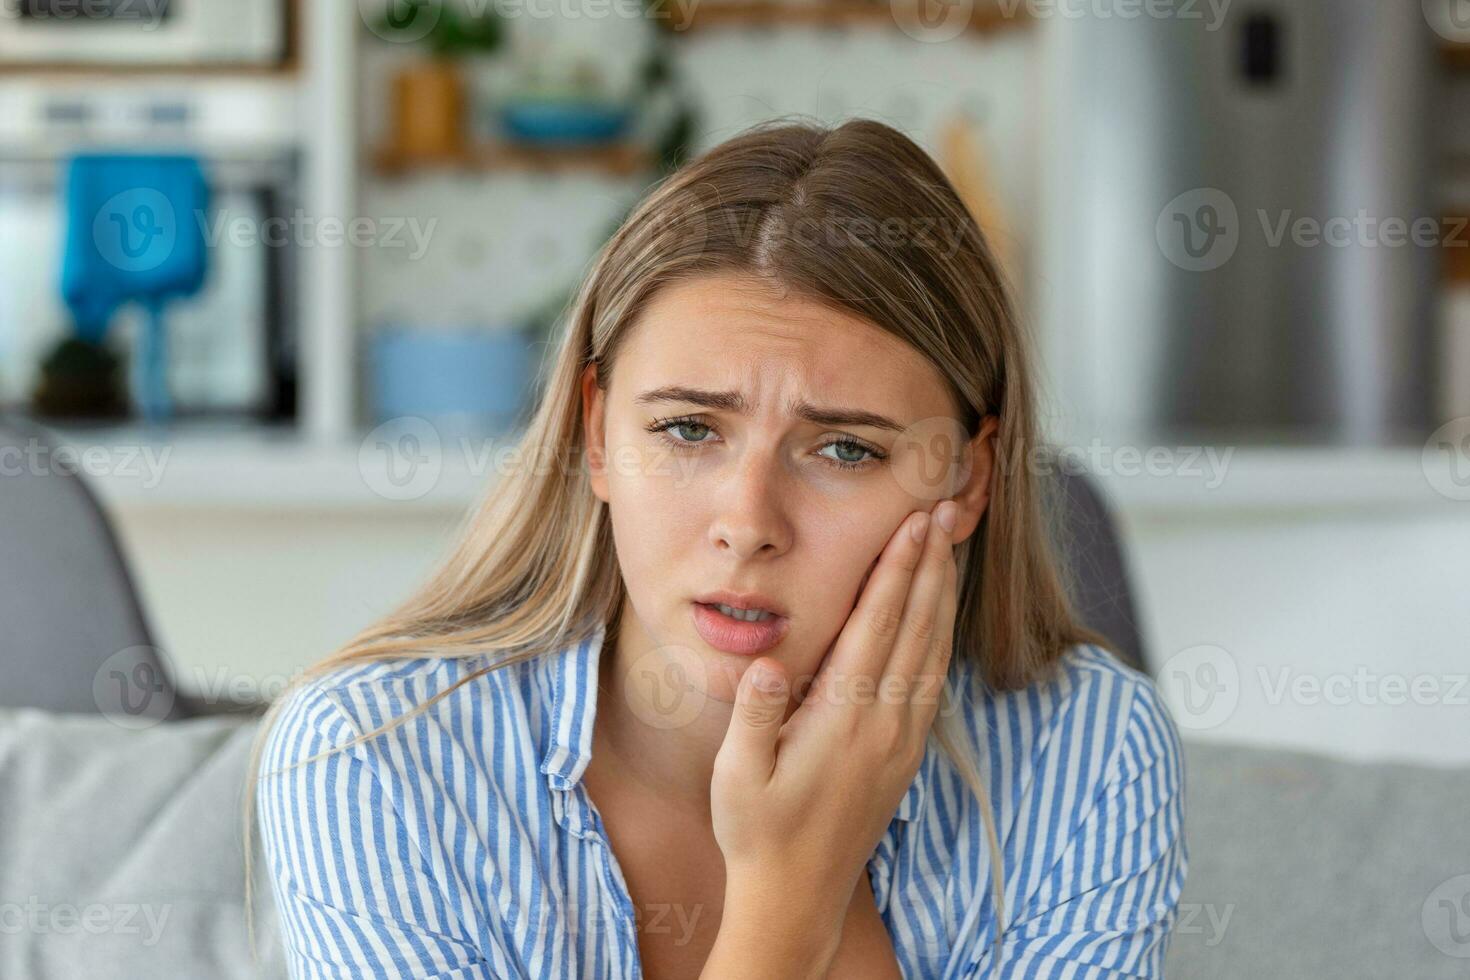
(565,123)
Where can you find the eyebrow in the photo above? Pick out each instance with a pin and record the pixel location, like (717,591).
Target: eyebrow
(734,401)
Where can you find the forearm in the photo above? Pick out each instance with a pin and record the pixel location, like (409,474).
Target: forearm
(866,951)
(765,933)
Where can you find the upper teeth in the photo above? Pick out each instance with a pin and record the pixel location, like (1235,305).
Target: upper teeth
(749,615)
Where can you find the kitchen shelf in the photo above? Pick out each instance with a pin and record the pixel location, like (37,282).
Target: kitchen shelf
(684,17)
(1457,252)
(211,69)
(617,159)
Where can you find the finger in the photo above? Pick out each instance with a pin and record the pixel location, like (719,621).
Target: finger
(931,677)
(872,627)
(759,711)
(921,628)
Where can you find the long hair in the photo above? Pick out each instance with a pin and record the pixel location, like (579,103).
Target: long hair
(856,216)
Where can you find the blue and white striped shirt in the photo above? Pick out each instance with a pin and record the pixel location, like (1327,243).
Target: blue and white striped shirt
(462,844)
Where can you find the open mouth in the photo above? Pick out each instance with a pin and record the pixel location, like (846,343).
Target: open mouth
(746,615)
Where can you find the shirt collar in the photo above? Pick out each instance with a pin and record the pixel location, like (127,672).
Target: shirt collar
(569,679)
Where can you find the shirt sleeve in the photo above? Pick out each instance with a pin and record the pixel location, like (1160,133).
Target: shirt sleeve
(355,895)
(1105,909)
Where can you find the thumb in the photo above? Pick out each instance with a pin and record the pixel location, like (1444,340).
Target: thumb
(760,709)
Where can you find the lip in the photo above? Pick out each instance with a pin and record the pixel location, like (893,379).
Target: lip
(737,636)
(742,600)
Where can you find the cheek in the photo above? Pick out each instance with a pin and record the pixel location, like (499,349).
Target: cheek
(656,523)
(642,469)
(843,564)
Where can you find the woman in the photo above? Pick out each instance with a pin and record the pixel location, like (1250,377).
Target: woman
(756,663)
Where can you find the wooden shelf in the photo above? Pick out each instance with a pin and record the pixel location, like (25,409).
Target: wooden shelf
(615,159)
(223,69)
(684,16)
(1456,249)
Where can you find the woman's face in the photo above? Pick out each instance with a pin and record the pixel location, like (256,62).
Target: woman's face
(751,494)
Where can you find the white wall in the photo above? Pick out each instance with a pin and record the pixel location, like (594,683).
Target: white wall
(1341,631)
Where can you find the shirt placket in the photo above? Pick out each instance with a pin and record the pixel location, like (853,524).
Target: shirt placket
(575,812)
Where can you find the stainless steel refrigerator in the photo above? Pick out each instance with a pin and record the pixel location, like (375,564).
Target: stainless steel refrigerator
(1243,231)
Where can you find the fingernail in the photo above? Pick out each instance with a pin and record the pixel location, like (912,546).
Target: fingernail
(766,679)
(918,526)
(946,513)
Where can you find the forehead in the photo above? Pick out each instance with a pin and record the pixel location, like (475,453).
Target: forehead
(740,332)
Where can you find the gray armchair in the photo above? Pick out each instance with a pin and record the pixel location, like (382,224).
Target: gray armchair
(75,638)
(1096,567)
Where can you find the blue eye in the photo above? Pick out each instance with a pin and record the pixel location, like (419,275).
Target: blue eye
(850,446)
(691,425)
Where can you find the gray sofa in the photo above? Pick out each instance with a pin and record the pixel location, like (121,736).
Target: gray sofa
(120,858)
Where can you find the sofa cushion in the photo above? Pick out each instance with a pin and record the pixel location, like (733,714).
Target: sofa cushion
(1303,866)
(120,857)
(120,851)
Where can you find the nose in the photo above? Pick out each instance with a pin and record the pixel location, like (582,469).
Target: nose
(750,519)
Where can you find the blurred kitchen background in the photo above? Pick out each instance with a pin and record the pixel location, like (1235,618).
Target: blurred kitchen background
(247,245)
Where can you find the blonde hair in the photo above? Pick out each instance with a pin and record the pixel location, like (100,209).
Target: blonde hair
(534,569)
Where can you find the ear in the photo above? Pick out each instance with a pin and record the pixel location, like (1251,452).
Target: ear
(594,405)
(974,495)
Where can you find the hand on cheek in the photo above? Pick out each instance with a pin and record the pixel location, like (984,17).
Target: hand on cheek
(879,554)
(864,583)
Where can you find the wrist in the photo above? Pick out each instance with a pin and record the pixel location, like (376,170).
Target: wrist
(773,929)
